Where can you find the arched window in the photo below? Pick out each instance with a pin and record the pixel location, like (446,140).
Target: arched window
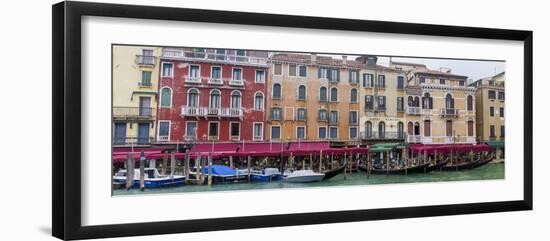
(368,129)
(400,130)
(276,91)
(381,130)
(353,96)
(302,92)
(323,93)
(410,101)
(416,101)
(410,128)
(259,101)
(427,128)
(427,101)
(334,94)
(470,103)
(449,102)
(166,97)
(416,129)
(193,98)
(236,99)
(215,99)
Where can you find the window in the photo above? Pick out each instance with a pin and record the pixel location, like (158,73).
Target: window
(323,73)
(334,75)
(400,82)
(194,71)
(461,82)
(333,116)
(167,69)
(259,101)
(275,132)
(427,128)
(449,102)
(422,80)
(491,111)
(367,80)
(237,74)
(427,101)
(164,130)
(276,94)
(400,104)
(501,95)
(258,131)
(323,93)
(501,111)
(260,76)
(442,81)
(381,81)
(382,103)
(492,131)
(291,70)
(353,76)
(470,128)
(236,99)
(303,71)
(322,133)
(302,92)
(368,129)
(449,128)
(400,130)
(323,115)
(353,133)
(333,132)
(300,132)
(235,130)
(193,98)
(275,113)
(166,97)
(191,129)
(353,95)
(215,99)
(148,56)
(502,132)
(220,54)
(369,102)
(492,94)
(333,94)
(353,117)
(216,73)
(381,130)
(470,103)
(145,78)
(278,69)
(213,128)
(301,115)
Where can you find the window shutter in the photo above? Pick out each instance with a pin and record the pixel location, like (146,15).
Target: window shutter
(338,75)
(329,74)
(319,73)
(349,75)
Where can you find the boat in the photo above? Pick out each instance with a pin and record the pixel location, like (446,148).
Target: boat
(152,178)
(220,174)
(437,166)
(381,171)
(461,166)
(483,162)
(332,173)
(266,175)
(302,176)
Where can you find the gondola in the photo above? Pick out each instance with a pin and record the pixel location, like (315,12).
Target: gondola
(461,166)
(437,166)
(416,169)
(332,173)
(483,162)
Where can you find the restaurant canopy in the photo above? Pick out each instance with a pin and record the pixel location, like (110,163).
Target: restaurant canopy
(495,144)
(383,147)
(447,148)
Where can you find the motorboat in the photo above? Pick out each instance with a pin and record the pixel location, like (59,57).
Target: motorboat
(304,176)
(268,174)
(152,178)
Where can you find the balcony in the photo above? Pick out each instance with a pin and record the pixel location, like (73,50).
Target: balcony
(414,139)
(145,60)
(193,79)
(213,57)
(236,82)
(211,112)
(127,141)
(369,135)
(333,121)
(163,138)
(133,113)
(147,84)
(412,110)
(445,112)
(215,81)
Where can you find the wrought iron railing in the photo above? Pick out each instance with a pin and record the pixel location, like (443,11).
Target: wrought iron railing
(136,112)
(382,135)
(210,111)
(145,60)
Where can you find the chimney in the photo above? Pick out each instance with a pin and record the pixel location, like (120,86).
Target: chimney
(313,58)
(344,60)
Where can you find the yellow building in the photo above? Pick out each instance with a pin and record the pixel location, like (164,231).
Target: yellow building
(313,98)
(440,106)
(383,100)
(134,94)
(490,108)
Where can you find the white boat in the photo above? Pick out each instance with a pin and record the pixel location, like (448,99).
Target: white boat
(304,176)
(152,178)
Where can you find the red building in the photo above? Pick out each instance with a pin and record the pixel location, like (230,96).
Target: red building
(212,94)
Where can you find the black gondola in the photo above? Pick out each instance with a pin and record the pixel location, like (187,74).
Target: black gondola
(481,163)
(461,166)
(332,173)
(437,166)
(416,169)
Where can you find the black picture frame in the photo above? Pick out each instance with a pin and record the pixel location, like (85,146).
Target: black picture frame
(66,165)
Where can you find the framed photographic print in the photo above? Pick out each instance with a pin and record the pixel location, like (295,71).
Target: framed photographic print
(170,120)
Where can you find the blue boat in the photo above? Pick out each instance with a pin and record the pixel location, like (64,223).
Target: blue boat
(152,179)
(268,174)
(221,174)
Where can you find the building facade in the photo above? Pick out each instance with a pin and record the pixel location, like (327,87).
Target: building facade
(313,98)
(135,89)
(212,95)
(490,108)
(440,106)
(383,102)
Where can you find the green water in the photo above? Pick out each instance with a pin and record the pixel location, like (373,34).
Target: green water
(486,172)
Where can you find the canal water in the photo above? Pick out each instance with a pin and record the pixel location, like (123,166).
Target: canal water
(485,172)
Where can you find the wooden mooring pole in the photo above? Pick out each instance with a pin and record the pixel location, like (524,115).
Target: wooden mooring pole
(164,162)
(186,166)
(142,171)
(172,164)
(129,171)
(249,166)
(210,169)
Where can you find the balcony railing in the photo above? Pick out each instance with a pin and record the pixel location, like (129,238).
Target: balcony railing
(213,112)
(145,60)
(123,141)
(145,84)
(215,57)
(387,135)
(215,81)
(411,110)
(133,112)
(333,121)
(193,79)
(414,139)
(164,138)
(236,82)
(445,112)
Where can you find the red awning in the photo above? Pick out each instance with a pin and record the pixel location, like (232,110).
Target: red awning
(447,148)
